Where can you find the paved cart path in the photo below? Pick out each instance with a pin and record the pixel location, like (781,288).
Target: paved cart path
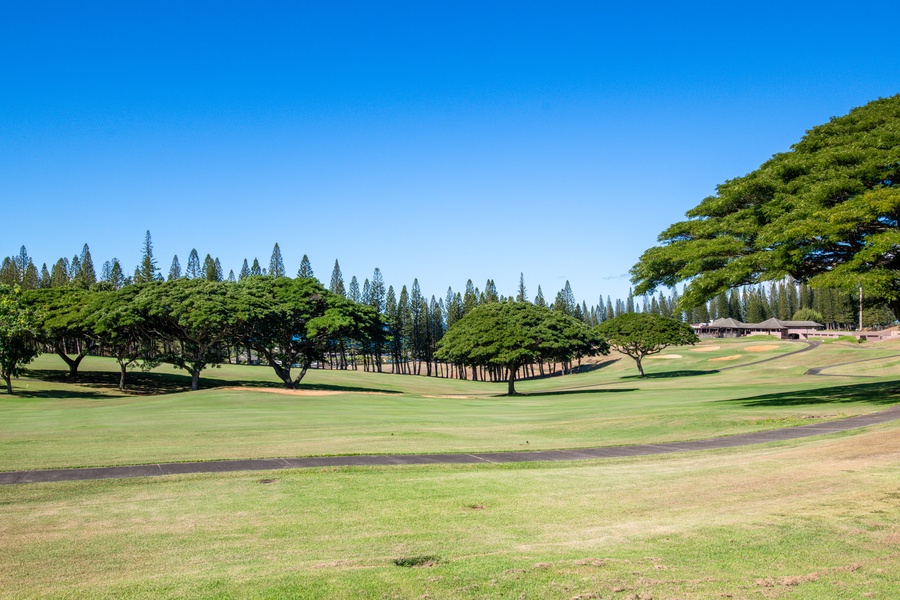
(224,466)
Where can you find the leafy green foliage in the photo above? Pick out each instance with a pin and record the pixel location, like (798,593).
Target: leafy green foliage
(17,334)
(291,322)
(808,314)
(826,212)
(123,330)
(641,334)
(64,322)
(512,334)
(194,316)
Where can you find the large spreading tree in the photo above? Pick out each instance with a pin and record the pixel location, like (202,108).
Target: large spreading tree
(641,334)
(826,212)
(123,329)
(18,346)
(292,322)
(511,335)
(65,323)
(195,317)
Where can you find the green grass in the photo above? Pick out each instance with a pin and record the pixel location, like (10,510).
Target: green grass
(50,423)
(812,519)
(817,518)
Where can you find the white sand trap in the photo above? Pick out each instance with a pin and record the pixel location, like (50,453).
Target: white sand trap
(667,356)
(300,392)
(762,348)
(706,349)
(724,358)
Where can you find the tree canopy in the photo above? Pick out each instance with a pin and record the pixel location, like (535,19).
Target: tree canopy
(65,323)
(17,326)
(512,334)
(826,212)
(642,334)
(292,321)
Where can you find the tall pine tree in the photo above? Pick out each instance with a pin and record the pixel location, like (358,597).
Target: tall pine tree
(305,269)
(276,263)
(337,280)
(194,269)
(147,269)
(175,269)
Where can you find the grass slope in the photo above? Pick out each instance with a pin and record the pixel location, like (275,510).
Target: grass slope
(812,519)
(817,518)
(50,423)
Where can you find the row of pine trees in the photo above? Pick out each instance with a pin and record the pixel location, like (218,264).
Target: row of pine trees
(422,320)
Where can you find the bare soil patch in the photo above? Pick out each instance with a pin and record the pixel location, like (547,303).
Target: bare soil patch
(724,358)
(670,356)
(762,348)
(706,349)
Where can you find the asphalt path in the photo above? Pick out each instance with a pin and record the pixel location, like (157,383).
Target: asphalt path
(265,464)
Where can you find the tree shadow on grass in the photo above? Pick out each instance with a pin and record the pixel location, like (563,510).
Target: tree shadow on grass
(137,383)
(585,368)
(250,385)
(670,374)
(19,392)
(154,383)
(871,393)
(568,392)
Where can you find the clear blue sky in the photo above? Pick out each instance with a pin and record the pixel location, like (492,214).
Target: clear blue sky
(443,141)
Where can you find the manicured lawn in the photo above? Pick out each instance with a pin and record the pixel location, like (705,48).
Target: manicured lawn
(50,423)
(811,519)
(815,518)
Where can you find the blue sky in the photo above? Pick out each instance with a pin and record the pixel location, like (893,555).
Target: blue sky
(443,142)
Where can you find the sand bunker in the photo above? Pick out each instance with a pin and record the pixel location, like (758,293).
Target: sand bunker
(299,392)
(724,358)
(762,348)
(667,356)
(706,349)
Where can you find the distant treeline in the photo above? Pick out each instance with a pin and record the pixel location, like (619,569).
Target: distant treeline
(411,313)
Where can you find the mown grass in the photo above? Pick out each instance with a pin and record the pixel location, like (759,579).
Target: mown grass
(817,518)
(52,423)
(813,519)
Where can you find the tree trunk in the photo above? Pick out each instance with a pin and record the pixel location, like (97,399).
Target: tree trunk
(511,391)
(71,362)
(637,359)
(195,379)
(301,375)
(8,381)
(122,367)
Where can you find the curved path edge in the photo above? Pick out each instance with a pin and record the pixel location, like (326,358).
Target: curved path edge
(265,464)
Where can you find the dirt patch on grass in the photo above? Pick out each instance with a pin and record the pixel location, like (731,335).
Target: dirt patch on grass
(706,349)
(724,358)
(762,348)
(300,392)
(670,356)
